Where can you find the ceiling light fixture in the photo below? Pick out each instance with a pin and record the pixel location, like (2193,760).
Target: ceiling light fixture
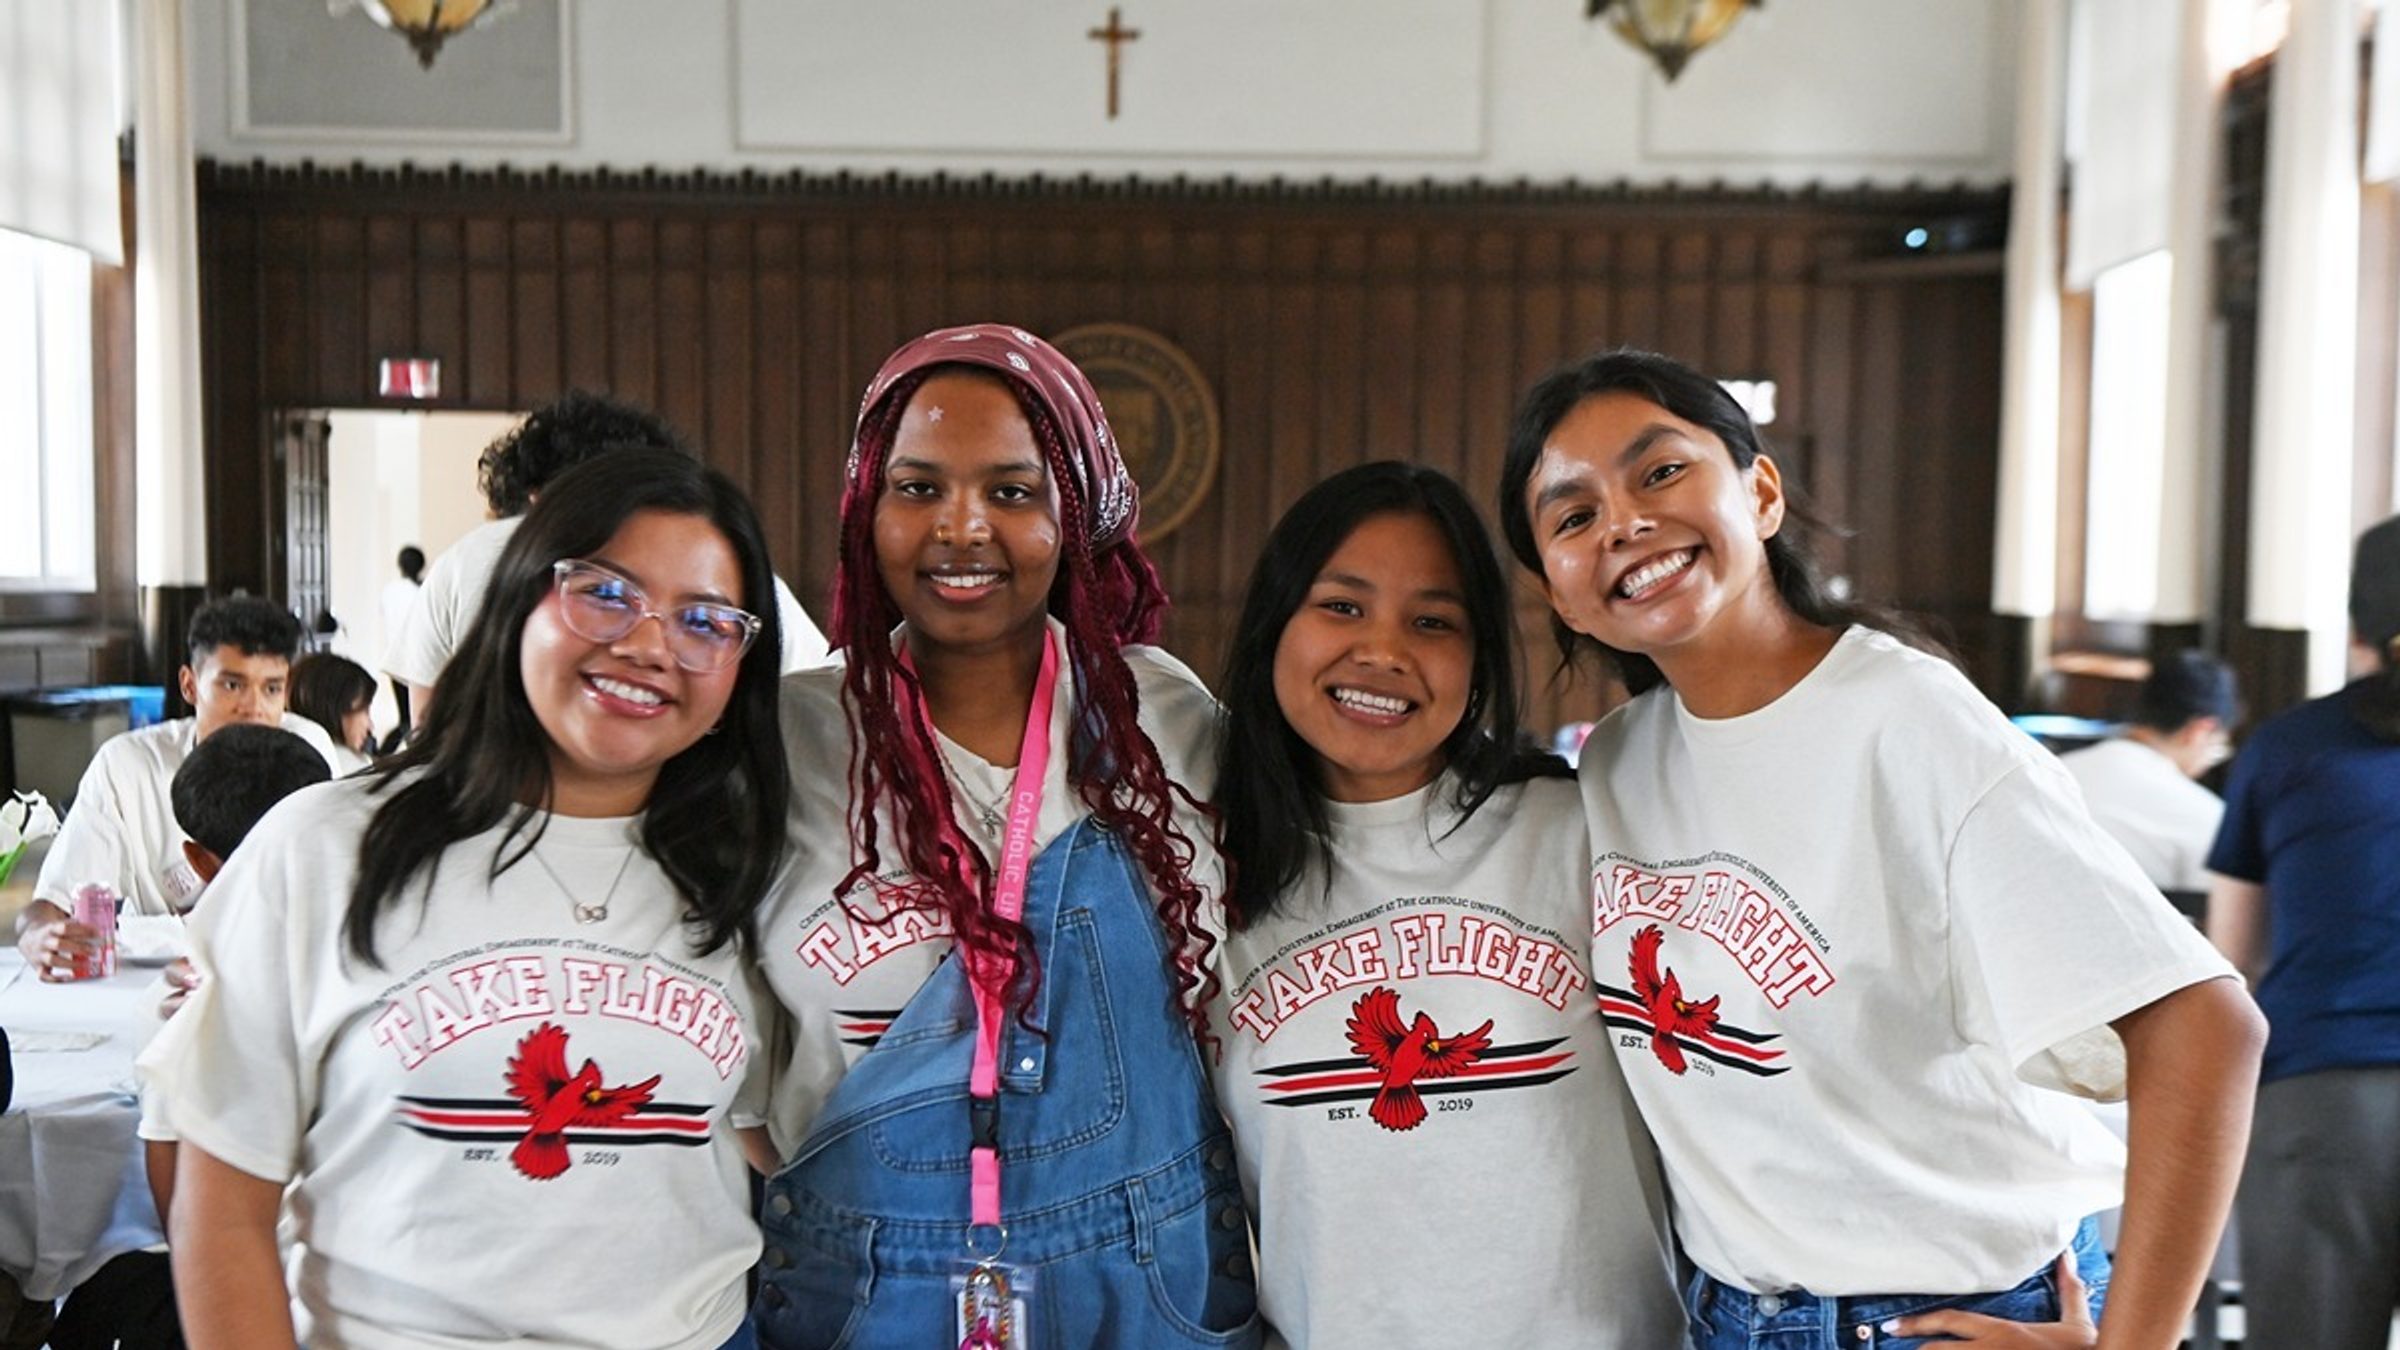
(1670,30)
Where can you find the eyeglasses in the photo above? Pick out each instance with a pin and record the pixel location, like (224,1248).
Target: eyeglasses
(599,605)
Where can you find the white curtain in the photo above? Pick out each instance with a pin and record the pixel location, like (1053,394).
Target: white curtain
(2025,549)
(2383,98)
(169,526)
(2306,426)
(2122,92)
(59,101)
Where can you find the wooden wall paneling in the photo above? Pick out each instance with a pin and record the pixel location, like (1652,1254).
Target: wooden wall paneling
(729,286)
(534,341)
(1335,322)
(1735,321)
(633,310)
(480,321)
(1393,414)
(1591,294)
(1017,289)
(1921,513)
(876,324)
(1685,320)
(1342,388)
(1818,443)
(834,369)
(681,341)
(972,265)
(1292,448)
(1641,295)
(1496,369)
(1442,349)
(1784,348)
(587,312)
(234,322)
(920,281)
(1871,454)
(774,360)
(374,258)
(439,300)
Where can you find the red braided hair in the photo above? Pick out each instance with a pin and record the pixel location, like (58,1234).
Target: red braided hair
(1104,601)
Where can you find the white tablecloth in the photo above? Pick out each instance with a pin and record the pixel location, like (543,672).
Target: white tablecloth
(72,1190)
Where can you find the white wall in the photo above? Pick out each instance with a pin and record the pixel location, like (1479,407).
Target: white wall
(395,478)
(1832,91)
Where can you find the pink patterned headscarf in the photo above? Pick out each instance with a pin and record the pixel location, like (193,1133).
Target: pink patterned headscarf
(1111,504)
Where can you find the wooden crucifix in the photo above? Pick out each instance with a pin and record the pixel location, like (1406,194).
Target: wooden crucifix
(1116,35)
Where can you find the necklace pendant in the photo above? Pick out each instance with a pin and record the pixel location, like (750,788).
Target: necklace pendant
(992,821)
(591,913)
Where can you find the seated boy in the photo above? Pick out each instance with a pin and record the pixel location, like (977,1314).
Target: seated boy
(222,789)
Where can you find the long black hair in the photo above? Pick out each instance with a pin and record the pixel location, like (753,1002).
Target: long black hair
(1697,399)
(1270,786)
(715,818)
(2375,617)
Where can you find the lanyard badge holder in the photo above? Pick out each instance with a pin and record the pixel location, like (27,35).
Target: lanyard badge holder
(989,1296)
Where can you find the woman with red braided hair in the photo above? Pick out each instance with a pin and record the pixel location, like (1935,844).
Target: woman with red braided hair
(993,1125)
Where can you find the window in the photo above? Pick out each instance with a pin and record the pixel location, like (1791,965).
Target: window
(2128,438)
(46,453)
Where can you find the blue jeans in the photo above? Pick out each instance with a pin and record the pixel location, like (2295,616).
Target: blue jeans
(744,1339)
(1118,1187)
(1726,1318)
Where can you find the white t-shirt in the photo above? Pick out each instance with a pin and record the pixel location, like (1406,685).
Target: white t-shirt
(398,598)
(842,981)
(401,1101)
(1509,1188)
(2165,820)
(122,830)
(453,595)
(1879,923)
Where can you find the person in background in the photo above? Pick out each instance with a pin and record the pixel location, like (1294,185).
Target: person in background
(220,793)
(2140,784)
(121,829)
(336,693)
(398,598)
(512,473)
(2306,901)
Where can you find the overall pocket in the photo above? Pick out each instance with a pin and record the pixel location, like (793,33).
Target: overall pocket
(814,1284)
(1202,1285)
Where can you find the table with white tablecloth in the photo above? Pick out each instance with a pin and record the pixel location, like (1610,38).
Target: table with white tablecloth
(73,1193)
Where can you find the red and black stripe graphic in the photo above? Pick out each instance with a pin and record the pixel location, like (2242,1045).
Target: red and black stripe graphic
(864,1026)
(501,1120)
(1352,1079)
(1723,1043)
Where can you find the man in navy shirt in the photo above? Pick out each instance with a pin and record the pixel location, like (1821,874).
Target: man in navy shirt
(2307,903)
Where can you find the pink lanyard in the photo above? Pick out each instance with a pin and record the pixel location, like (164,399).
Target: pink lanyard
(988,977)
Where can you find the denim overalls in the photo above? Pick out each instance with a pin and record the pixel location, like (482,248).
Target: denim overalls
(1118,1186)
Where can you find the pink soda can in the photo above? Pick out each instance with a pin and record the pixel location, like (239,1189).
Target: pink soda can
(96,909)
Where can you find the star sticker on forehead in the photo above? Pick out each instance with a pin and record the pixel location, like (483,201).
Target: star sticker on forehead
(933,414)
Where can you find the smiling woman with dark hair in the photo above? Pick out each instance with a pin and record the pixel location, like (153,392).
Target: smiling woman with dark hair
(402,971)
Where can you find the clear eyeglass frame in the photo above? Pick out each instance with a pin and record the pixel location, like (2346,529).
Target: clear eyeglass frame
(691,632)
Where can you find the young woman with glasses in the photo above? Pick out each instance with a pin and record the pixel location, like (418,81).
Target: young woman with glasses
(486,1010)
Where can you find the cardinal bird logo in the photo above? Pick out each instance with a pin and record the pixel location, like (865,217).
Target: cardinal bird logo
(560,1101)
(1406,1053)
(1663,1002)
